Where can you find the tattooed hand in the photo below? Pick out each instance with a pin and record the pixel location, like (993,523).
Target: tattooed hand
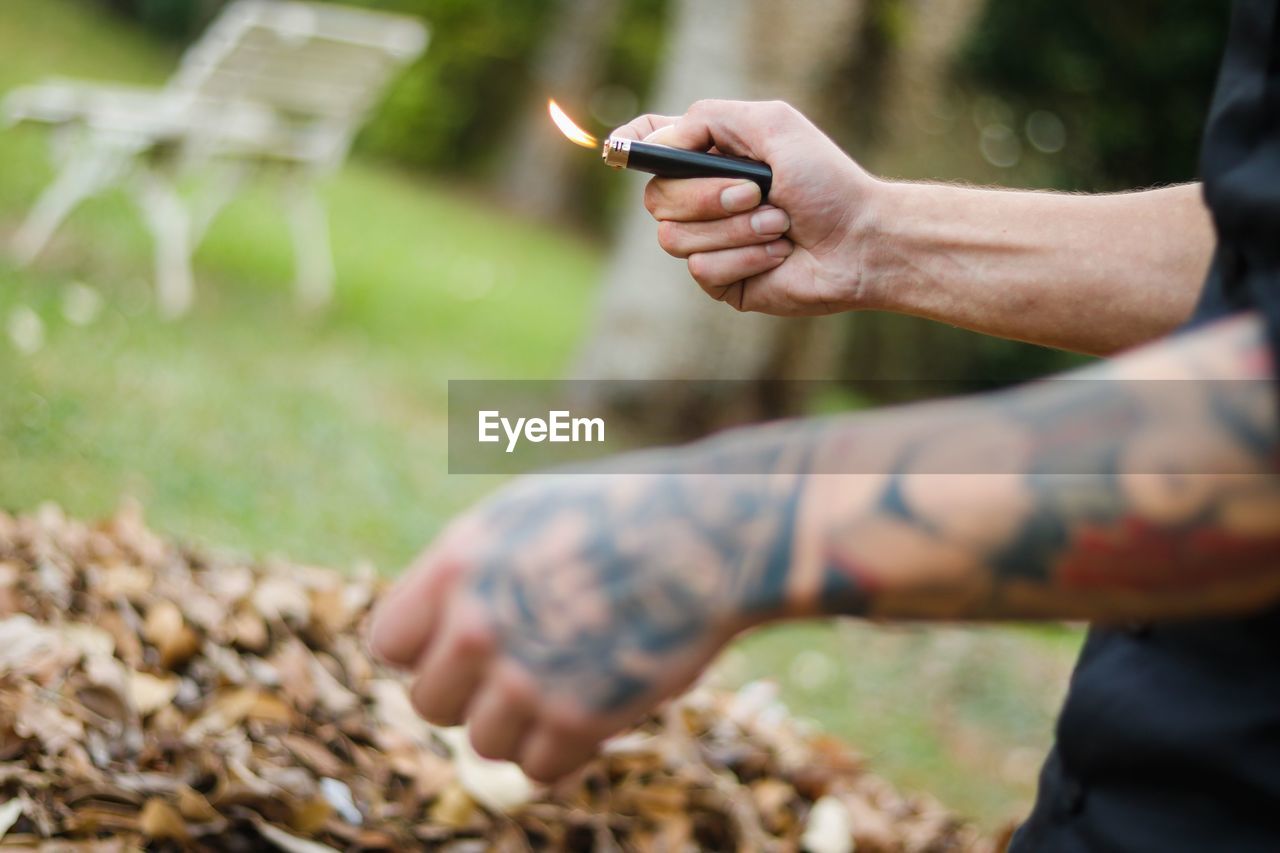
(565,607)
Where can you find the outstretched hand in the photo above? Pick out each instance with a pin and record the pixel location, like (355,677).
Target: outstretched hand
(564,608)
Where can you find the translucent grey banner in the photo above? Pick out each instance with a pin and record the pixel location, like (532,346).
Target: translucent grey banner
(1066,426)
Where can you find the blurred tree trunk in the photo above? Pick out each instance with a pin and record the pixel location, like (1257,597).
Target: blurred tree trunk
(534,177)
(907,91)
(652,321)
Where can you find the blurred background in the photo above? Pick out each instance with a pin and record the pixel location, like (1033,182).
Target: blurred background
(469,240)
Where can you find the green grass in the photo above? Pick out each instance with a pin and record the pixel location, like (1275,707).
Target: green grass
(253,425)
(250,423)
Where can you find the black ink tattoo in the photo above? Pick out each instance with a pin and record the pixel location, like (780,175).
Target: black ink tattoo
(595,581)
(1094,519)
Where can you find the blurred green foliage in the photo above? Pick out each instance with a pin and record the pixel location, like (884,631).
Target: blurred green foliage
(448,113)
(1132,81)
(449,110)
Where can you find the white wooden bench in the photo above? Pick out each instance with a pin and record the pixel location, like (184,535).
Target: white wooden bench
(273,87)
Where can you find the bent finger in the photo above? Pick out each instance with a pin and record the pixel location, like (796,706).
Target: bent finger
(714,271)
(642,126)
(763,225)
(699,199)
(454,666)
(551,752)
(790,291)
(734,127)
(405,617)
(502,713)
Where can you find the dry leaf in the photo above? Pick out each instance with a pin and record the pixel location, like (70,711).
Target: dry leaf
(828,829)
(453,808)
(309,817)
(148,693)
(167,630)
(338,795)
(193,805)
(159,820)
(9,814)
(282,598)
(291,843)
(497,785)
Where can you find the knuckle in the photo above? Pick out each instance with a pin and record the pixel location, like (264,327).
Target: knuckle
(422,698)
(539,770)
(652,197)
(442,713)
(565,721)
(514,689)
(381,636)
(485,745)
(743,233)
(448,570)
(669,238)
(699,268)
(473,640)
(780,108)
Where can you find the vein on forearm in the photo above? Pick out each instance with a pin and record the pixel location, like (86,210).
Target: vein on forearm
(1092,274)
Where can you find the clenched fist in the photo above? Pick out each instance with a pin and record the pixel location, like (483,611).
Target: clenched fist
(799,254)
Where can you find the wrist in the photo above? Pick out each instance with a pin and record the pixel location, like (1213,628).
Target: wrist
(756,481)
(872,237)
(880,243)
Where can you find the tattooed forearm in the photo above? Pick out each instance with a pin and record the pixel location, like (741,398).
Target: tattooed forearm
(1147,491)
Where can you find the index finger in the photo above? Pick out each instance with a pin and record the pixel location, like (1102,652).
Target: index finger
(743,128)
(406,616)
(641,126)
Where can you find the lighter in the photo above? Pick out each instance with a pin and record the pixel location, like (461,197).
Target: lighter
(668,162)
(663,160)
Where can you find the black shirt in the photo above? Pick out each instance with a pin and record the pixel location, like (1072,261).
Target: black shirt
(1170,736)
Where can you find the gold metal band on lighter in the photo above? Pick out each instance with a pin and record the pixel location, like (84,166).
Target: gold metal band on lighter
(616,152)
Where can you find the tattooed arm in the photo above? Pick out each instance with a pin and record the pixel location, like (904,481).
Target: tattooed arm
(552,615)
(1146,488)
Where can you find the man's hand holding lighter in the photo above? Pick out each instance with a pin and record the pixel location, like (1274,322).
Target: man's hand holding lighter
(797,255)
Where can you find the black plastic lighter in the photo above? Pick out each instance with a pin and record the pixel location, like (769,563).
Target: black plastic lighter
(668,162)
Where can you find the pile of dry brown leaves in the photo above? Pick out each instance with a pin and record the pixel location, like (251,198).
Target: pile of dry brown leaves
(155,696)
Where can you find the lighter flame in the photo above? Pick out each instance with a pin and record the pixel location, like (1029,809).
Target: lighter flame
(575,134)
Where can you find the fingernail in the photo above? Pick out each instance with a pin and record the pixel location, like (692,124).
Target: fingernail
(740,197)
(773,221)
(779,248)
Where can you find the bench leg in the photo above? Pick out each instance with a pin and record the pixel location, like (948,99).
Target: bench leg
(311,250)
(214,196)
(82,176)
(170,225)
